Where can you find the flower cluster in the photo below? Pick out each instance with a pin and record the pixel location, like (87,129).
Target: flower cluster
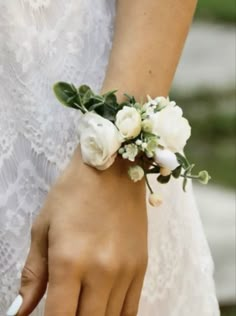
(151,135)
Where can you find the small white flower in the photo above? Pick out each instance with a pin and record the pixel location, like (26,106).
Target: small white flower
(128,121)
(172,128)
(138,142)
(136,173)
(131,151)
(144,145)
(155,199)
(166,158)
(99,140)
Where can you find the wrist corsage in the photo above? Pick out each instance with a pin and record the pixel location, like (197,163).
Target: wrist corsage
(152,135)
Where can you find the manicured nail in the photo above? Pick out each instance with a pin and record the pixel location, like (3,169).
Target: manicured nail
(15,306)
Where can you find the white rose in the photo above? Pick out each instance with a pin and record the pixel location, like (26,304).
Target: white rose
(155,199)
(128,121)
(166,158)
(99,140)
(173,129)
(136,173)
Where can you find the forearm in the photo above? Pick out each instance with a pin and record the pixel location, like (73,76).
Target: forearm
(148,41)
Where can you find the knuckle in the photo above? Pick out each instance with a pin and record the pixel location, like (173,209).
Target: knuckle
(65,260)
(108,264)
(28,276)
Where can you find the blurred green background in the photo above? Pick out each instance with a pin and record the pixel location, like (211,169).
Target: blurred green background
(216,10)
(212,114)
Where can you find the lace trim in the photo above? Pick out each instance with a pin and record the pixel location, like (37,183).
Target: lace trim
(36,56)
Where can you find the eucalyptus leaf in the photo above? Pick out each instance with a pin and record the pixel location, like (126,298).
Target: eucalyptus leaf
(65,94)
(177,172)
(163,179)
(182,160)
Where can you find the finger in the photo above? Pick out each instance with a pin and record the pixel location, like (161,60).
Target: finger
(93,300)
(131,303)
(62,297)
(64,281)
(34,274)
(118,294)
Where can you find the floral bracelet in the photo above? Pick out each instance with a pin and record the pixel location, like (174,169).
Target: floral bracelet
(153,134)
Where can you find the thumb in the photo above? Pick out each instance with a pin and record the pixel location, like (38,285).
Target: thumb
(35,272)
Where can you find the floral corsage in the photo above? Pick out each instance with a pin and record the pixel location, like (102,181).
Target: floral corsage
(151,135)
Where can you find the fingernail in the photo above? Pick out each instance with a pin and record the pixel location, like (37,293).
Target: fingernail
(15,306)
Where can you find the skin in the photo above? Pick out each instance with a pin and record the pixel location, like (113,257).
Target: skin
(89,241)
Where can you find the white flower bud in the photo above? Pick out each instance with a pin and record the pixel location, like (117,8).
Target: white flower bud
(166,158)
(165,172)
(121,150)
(204,177)
(147,126)
(125,155)
(155,199)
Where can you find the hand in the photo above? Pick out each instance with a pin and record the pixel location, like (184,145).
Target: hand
(89,243)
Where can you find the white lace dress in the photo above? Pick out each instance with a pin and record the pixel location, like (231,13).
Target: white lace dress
(41,42)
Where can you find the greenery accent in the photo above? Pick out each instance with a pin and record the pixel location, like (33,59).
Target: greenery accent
(216,10)
(143,146)
(84,99)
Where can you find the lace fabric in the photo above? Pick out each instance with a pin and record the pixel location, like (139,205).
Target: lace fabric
(41,42)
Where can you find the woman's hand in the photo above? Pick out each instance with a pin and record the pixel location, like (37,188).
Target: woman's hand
(89,243)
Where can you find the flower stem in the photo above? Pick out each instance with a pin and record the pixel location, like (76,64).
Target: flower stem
(190,177)
(147,182)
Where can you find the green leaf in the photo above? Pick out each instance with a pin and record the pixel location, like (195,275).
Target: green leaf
(182,160)
(111,100)
(65,94)
(177,172)
(95,106)
(112,92)
(86,97)
(130,98)
(148,135)
(163,179)
(83,89)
